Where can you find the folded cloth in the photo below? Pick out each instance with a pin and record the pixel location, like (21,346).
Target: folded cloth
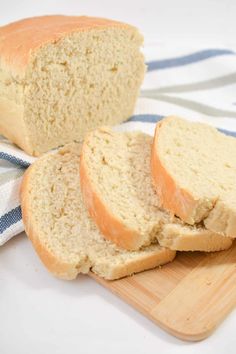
(198,85)
(13,163)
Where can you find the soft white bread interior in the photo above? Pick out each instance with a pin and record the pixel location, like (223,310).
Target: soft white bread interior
(194,172)
(63,235)
(117,189)
(61,76)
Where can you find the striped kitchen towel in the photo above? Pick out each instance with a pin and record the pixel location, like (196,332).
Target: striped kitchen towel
(199,85)
(13,163)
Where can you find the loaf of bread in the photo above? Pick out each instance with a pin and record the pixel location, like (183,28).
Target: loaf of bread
(65,238)
(194,172)
(61,76)
(117,190)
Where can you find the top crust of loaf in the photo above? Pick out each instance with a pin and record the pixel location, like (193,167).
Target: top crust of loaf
(18,40)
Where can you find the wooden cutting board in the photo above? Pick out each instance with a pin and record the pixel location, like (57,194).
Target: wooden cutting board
(188,297)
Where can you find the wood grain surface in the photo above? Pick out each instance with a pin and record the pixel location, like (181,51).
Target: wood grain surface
(188,297)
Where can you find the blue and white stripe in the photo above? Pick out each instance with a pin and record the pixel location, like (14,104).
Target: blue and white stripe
(198,85)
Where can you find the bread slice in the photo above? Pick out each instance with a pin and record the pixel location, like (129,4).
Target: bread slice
(182,237)
(65,238)
(117,189)
(194,172)
(61,76)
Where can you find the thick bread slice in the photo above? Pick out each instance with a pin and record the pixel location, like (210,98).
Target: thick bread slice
(65,238)
(181,237)
(117,189)
(61,76)
(194,172)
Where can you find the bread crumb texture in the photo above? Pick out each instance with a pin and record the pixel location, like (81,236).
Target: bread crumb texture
(196,165)
(70,74)
(118,192)
(61,231)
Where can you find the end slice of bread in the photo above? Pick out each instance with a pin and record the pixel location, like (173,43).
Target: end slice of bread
(117,189)
(194,167)
(63,235)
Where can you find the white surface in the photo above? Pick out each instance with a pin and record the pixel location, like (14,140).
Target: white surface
(40,314)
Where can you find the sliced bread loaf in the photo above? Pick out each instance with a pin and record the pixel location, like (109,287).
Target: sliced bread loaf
(63,235)
(61,76)
(194,172)
(117,189)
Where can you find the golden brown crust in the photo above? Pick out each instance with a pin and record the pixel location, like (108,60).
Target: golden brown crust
(172,197)
(58,268)
(19,39)
(112,228)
